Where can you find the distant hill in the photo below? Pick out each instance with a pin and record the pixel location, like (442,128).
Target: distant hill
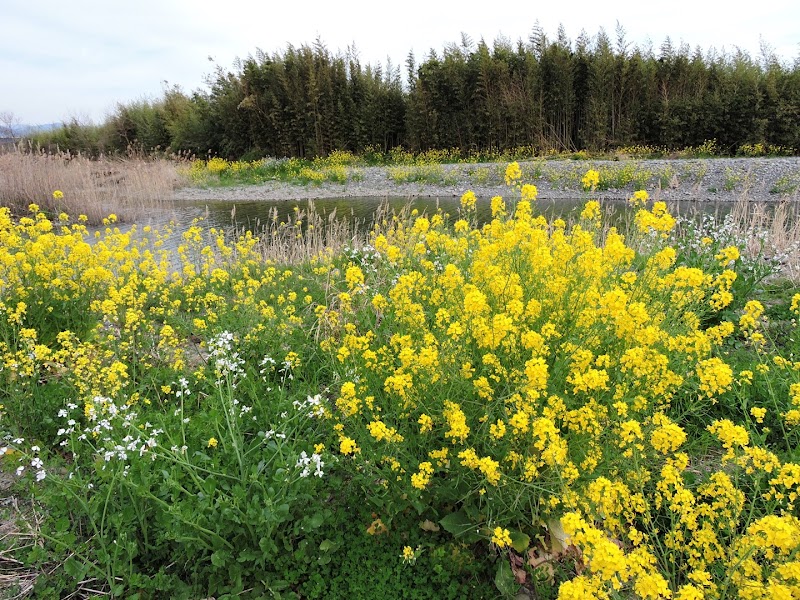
(24,129)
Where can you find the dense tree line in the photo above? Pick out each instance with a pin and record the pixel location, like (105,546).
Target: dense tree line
(594,93)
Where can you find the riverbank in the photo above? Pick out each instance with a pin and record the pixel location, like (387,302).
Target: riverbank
(713,180)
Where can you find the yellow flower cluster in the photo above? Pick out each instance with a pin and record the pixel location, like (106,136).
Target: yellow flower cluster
(109,305)
(421,478)
(657,219)
(520,367)
(513,174)
(727,255)
(501,537)
(538,331)
(540,361)
(590,180)
(639,198)
(468,200)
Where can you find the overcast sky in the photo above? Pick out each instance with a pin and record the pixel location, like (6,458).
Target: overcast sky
(60,60)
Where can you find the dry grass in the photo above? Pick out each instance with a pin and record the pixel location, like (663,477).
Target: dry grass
(19,523)
(95,188)
(771,230)
(316,234)
(20,530)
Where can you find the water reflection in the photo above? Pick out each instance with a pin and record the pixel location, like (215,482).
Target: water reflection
(255,215)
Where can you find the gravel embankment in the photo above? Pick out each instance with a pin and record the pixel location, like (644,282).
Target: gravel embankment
(718,179)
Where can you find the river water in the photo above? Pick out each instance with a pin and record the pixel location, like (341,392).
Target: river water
(253,215)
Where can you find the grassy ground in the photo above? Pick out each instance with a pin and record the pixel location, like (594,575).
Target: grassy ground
(427,410)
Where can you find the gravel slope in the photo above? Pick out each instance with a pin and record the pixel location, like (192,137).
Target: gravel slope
(718,179)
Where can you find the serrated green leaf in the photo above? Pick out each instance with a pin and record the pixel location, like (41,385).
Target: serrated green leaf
(220,558)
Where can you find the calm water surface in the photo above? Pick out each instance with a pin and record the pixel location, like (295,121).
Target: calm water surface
(253,215)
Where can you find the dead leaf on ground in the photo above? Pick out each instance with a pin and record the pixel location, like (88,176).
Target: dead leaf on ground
(518,567)
(428,525)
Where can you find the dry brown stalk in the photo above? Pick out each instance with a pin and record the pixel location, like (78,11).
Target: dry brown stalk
(293,243)
(772,230)
(95,188)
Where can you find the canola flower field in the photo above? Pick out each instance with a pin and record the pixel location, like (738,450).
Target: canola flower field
(563,408)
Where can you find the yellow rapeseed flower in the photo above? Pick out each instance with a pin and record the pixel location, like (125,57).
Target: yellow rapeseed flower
(639,198)
(795,306)
(590,180)
(421,479)
(758,413)
(409,556)
(529,192)
(425,423)
(501,537)
(727,255)
(468,200)
(513,173)
(499,207)
(591,211)
(348,446)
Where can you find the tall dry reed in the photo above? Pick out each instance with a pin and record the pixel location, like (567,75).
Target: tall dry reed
(310,234)
(127,187)
(771,230)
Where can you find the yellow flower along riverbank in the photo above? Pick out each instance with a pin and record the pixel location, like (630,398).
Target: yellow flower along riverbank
(520,383)
(525,372)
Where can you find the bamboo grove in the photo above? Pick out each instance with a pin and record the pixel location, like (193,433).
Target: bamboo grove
(596,93)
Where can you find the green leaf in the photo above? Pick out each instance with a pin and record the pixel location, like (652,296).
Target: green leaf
(460,525)
(420,507)
(276,586)
(63,524)
(267,545)
(282,512)
(504,580)
(220,558)
(316,520)
(75,569)
(327,545)
(248,556)
(520,541)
